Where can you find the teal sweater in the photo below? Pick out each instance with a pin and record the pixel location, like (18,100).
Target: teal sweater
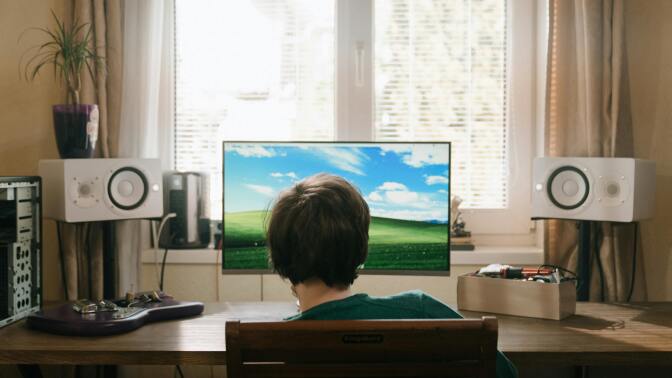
(408,305)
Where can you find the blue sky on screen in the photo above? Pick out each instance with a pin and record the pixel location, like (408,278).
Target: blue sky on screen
(401,181)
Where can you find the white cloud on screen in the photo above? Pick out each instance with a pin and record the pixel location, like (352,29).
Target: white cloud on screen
(442,191)
(402,197)
(280,175)
(433,180)
(395,200)
(346,159)
(375,197)
(250,150)
(394,193)
(396,148)
(418,155)
(391,185)
(261,189)
(426,155)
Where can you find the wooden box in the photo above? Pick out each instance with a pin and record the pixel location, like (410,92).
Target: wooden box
(516,297)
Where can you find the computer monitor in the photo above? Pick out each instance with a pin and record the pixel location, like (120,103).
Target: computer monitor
(406,186)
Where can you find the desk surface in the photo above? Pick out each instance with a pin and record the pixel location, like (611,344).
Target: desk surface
(599,334)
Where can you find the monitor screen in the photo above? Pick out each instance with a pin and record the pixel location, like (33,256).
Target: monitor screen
(406,186)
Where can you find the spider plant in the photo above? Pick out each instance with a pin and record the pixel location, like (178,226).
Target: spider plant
(68,51)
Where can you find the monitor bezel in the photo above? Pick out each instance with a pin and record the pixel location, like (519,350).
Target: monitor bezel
(388,272)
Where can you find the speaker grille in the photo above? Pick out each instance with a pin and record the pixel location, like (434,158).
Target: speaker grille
(568,187)
(128,188)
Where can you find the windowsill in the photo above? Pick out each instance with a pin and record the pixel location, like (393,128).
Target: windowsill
(513,255)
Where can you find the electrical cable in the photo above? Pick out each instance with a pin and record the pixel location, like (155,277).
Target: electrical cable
(634,263)
(179,371)
(87,251)
(597,246)
(156,234)
(559,268)
(62,257)
(156,257)
(163,268)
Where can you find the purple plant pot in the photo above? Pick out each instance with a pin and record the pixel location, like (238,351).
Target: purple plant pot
(76,128)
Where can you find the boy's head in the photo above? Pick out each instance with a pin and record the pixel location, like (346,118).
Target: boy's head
(319,229)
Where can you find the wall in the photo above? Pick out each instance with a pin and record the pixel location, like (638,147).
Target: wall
(650,66)
(26,136)
(26,133)
(205,282)
(649,48)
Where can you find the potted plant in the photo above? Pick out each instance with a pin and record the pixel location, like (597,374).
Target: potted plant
(67,50)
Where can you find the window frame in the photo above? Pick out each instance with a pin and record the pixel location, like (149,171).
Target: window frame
(355,112)
(355,104)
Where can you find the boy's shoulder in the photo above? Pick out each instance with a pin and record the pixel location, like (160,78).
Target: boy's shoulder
(412,299)
(410,296)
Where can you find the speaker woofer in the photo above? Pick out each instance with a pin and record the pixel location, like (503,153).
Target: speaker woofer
(568,187)
(128,188)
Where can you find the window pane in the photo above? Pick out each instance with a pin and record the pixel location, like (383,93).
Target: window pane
(250,70)
(440,74)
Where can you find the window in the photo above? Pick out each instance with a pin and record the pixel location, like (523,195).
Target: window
(440,74)
(389,70)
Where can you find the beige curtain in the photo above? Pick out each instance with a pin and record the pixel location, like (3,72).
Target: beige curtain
(82,243)
(588,114)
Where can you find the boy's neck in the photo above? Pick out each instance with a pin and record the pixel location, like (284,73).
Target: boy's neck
(315,292)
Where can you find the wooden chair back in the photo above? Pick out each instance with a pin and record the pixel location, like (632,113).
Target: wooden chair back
(362,348)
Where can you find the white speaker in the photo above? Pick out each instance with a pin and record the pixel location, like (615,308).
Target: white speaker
(599,189)
(84,190)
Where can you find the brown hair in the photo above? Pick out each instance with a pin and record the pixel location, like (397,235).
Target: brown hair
(319,228)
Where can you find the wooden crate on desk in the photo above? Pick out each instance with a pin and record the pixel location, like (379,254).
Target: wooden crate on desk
(516,297)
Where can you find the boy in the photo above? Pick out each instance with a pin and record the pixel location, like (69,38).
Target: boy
(318,236)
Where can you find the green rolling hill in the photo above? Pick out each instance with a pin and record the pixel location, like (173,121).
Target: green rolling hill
(393,243)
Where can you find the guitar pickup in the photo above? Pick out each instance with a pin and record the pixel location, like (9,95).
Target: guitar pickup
(85,306)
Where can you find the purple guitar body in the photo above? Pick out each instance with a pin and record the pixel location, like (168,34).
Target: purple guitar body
(66,321)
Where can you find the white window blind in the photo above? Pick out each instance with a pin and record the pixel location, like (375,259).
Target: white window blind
(266,70)
(440,74)
(250,70)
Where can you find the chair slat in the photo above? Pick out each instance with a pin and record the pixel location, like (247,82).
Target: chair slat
(357,354)
(362,370)
(362,348)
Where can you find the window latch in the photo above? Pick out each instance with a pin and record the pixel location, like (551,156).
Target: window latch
(359,64)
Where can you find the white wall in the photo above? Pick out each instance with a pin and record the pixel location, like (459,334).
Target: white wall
(196,275)
(201,282)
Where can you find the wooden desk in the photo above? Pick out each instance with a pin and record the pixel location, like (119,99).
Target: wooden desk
(600,334)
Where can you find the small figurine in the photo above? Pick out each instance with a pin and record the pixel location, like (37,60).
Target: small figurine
(457,224)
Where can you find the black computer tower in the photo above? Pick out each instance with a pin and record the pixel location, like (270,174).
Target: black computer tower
(20,247)
(186,194)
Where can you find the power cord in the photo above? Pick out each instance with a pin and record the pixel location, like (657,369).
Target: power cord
(156,234)
(87,251)
(564,270)
(597,246)
(163,268)
(179,372)
(634,263)
(61,255)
